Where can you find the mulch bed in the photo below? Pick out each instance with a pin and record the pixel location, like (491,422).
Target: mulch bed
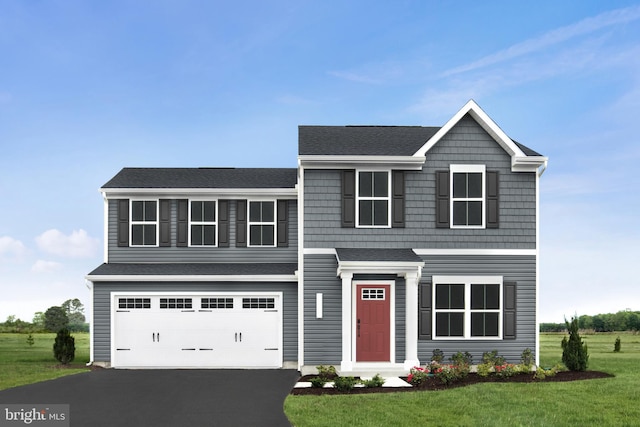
(433,383)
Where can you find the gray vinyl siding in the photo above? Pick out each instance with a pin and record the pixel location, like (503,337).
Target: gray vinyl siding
(323,337)
(519,269)
(102,315)
(203,254)
(466,143)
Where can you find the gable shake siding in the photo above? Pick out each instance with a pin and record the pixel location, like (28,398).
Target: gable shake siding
(173,253)
(102,314)
(517,201)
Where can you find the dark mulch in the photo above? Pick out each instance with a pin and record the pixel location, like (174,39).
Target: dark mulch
(433,383)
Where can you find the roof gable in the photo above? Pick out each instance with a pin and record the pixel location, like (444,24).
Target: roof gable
(483,120)
(523,159)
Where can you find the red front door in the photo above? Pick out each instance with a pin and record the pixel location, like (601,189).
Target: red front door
(373,324)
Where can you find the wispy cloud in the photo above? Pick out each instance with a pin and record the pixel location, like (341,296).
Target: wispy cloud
(554,37)
(42,266)
(11,248)
(76,245)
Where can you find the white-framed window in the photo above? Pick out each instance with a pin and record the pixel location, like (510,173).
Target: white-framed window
(467,196)
(144,222)
(373,204)
(467,307)
(262,223)
(203,223)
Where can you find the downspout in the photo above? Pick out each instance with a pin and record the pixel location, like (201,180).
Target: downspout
(537,311)
(300,266)
(89,286)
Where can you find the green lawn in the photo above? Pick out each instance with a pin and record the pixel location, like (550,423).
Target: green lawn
(22,364)
(602,402)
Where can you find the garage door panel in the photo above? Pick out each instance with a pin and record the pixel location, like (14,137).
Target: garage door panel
(205,330)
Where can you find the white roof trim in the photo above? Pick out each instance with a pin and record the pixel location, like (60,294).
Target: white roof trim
(484,120)
(191,278)
(414,162)
(204,192)
(379,267)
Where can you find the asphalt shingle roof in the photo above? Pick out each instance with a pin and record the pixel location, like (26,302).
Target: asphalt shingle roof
(369,140)
(362,140)
(195,269)
(204,178)
(376,254)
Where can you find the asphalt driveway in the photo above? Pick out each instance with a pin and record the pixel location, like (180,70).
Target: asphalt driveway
(110,397)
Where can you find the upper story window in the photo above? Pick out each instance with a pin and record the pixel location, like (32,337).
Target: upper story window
(468,307)
(468,196)
(203,224)
(373,199)
(262,223)
(144,223)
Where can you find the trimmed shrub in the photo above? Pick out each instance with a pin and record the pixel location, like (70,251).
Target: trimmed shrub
(376,381)
(437,355)
(575,355)
(64,348)
(345,383)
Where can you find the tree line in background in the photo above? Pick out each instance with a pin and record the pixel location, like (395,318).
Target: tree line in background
(626,320)
(69,315)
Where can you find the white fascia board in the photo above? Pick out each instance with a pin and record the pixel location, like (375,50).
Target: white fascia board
(489,252)
(191,278)
(484,120)
(201,192)
(528,163)
(340,162)
(379,267)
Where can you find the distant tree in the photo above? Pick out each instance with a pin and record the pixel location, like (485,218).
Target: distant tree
(55,319)
(38,320)
(64,348)
(574,351)
(75,312)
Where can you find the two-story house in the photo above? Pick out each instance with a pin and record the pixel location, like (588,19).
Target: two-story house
(386,242)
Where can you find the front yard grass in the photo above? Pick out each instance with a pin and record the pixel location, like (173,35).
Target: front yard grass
(22,364)
(603,402)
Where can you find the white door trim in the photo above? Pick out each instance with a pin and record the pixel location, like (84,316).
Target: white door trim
(392,316)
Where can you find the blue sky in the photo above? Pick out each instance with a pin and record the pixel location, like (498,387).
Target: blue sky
(87,88)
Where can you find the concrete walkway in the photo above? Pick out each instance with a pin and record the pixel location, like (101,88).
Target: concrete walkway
(111,397)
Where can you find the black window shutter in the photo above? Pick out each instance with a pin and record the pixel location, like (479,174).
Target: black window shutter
(348,199)
(123,222)
(165,222)
(424,312)
(397,206)
(283,223)
(509,311)
(493,212)
(442,199)
(241,224)
(183,223)
(223,223)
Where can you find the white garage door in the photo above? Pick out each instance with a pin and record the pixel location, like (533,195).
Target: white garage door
(240,330)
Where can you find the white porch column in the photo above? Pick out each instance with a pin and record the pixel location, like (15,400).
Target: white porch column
(411,320)
(347,363)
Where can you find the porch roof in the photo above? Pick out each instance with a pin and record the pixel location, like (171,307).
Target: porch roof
(378,260)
